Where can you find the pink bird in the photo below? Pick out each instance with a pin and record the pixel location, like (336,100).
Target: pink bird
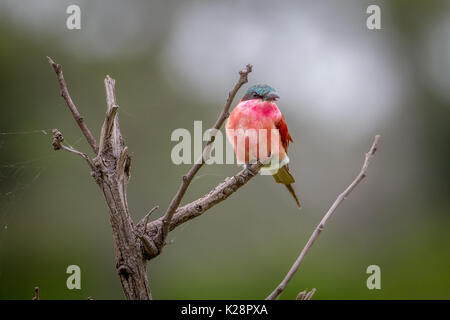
(257,130)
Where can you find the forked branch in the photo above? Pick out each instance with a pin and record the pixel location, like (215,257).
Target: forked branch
(220,193)
(58,144)
(111,171)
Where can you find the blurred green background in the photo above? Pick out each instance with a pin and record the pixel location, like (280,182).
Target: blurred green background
(174,62)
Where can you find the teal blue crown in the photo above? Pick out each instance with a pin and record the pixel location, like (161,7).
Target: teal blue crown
(260,89)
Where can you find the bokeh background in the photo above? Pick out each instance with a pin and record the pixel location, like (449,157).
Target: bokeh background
(174,62)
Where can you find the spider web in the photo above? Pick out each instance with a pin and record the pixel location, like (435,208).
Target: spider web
(18,176)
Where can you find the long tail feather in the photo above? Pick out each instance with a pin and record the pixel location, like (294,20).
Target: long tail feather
(292,192)
(283,176)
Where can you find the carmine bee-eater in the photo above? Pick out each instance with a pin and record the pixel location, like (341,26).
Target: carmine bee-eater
(257,130)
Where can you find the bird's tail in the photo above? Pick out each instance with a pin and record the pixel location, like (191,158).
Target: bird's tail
(283,176)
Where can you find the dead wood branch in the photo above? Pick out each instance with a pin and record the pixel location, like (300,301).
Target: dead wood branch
(36,294)
(186,180)
(306,295)
(321,225)
(77,116)
(134,245)
(111,170)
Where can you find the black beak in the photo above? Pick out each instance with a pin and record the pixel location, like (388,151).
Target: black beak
(271,96)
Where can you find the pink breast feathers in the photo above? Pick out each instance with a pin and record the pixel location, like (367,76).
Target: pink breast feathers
(255,129)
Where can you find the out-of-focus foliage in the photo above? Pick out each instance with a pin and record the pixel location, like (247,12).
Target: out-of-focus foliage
(174,63)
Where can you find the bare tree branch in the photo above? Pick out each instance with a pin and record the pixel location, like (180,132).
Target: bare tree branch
(176,200)
(220,193)
(150,233)
(111,171)
(58,144)
(112,175)
(65,94)
(36,294)
(111,117)
(147,216)
(321,225)
(306,295)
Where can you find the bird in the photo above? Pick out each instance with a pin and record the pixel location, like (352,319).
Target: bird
(257,122)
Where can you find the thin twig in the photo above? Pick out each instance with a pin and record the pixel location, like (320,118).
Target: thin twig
(81,154)
(306,295)
(310,294)
(58,144)
(324,220)
(176,200)
(36,294)
(148,216)
(65,94)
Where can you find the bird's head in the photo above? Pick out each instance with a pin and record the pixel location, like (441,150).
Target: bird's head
(260,91)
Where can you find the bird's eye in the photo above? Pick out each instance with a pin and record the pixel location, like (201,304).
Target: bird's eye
(255,94)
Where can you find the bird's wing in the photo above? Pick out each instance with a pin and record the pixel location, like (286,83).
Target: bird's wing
(284,133)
